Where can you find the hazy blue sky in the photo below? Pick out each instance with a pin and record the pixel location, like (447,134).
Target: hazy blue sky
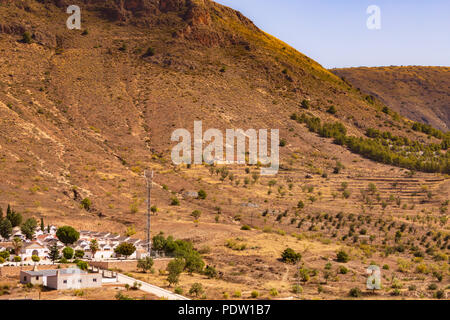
(334,32)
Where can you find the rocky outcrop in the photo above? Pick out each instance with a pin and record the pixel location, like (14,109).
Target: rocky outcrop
(14,29)
(171,5)
(199,16)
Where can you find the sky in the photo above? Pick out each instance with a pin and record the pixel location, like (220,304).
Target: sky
(335,32)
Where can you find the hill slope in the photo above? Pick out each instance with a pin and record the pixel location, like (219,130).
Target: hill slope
(81,105)
(83,113)
(419,93)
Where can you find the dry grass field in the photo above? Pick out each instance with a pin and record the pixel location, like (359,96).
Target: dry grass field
(11,290)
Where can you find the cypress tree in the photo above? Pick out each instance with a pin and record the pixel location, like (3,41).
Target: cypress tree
(54,253)
(14,217)
(5,228)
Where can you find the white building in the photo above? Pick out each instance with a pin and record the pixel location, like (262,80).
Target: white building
(16,233)
(107,243)
(53,230)
(62,279)
(34,249)
(38,232)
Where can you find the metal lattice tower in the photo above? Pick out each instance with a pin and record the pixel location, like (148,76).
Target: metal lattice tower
(149,178)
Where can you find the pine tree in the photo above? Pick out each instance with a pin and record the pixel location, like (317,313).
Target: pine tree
(28,228)
(42,225)
(8,210)
(1,214)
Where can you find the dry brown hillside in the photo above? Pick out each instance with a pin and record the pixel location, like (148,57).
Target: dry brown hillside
(419,93)
(84,112)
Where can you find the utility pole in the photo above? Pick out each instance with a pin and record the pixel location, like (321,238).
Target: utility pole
(298,279)
(149,178)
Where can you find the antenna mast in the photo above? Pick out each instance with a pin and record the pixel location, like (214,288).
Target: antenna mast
(149,178)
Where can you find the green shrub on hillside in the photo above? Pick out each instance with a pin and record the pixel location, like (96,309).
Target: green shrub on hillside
(332,110)
(26,37)
(305,104)
(180,249)
(342,256)
(174,201)
(150,52)
(290,256)
(355,292)
(202,194)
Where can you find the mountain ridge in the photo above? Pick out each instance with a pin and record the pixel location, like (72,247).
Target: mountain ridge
(417,92)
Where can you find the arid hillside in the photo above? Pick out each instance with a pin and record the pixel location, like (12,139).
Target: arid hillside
(84,112)
(418,93)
